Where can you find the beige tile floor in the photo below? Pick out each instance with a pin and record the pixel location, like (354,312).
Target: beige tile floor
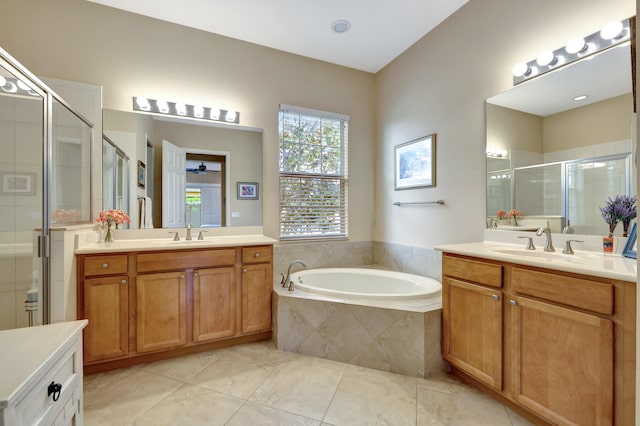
(255,384)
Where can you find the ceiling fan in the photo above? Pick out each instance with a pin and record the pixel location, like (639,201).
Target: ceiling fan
(200,170)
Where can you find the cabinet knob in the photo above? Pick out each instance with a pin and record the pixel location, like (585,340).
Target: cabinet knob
(257,254)
(105,265)
(182,276)
(123,282)
(244,269)
(195,274)
(513,302)
(495,297)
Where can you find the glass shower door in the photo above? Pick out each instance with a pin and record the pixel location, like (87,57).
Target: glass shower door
(22,112)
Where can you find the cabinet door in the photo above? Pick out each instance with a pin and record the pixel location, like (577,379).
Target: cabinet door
(256,297)
(214,303)
(161,317)
(106,306)
(563,362)
(472,330)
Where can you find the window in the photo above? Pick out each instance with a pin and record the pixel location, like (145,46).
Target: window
(313,174)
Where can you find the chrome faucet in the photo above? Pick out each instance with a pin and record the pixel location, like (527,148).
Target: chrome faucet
(548,245)
(286,280)
(188,232)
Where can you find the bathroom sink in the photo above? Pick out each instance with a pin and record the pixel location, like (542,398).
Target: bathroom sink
(170,241)
(555,257)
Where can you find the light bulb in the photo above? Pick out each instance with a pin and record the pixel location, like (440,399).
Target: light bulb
(181,109)
(520,69)
(163,106)
(215,113)
(545,58)
(3,81)
(198,111)
(143,104)
(23,85)
(231,116)
(575,45)
(611,30)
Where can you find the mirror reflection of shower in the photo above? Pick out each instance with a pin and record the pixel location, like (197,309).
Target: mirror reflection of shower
(204,191)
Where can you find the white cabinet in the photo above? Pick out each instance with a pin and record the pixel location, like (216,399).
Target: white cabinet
(41,379)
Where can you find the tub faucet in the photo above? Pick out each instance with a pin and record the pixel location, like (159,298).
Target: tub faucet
(548,245)
(286,280)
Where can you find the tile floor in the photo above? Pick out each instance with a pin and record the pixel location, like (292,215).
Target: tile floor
(255,384)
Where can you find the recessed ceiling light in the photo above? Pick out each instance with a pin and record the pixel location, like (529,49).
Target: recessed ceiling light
(580,98)
(341,26)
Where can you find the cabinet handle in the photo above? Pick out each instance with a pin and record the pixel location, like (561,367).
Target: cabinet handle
(182,276)
(513,302)
(495,297)
(257,254)
(123,282)
(54,388)
(105,265)
(195,275)
(244,269)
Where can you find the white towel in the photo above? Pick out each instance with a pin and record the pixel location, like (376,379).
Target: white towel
(148,212)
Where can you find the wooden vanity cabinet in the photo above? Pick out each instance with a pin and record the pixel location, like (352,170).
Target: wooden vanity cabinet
(558,346)
(155,304)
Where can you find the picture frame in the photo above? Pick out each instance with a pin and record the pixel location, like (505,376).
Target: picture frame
(141,174)
(631,247)
(18,183)
(415,163)
(247,190)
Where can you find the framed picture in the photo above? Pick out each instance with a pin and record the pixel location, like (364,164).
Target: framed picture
(415,163)
(18,183)
(247,190)
(631,247)
(141,174)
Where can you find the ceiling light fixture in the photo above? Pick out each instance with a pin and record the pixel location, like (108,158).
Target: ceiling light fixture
(341,26)
(613,34)
(185,110)
(580,98)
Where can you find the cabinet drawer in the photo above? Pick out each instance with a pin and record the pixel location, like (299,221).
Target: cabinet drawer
(105,265)
(151,262)
(472,270)
(259,254)
(37,406)
(577,292)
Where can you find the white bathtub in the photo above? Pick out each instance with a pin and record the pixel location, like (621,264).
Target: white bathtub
(365,283)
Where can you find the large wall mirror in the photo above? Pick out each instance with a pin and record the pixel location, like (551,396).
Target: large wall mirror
(556,156)
(188,171)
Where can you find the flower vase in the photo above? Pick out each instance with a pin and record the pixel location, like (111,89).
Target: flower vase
(108,236)
(514,220)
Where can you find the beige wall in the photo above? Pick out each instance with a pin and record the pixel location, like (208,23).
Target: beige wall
(439,86)
(601,122)
(132,55)
(511,129)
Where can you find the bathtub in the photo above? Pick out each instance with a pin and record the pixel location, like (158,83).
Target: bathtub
(373,318)
(365,283)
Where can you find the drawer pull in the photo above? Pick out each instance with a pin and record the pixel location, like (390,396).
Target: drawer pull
(244,269)
(195,275)
(54,388)
(182,276)
(123,282)
(105,265)
(495,297)
(513,302)
(257,254)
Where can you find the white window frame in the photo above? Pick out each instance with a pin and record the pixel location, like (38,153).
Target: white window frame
(333,222)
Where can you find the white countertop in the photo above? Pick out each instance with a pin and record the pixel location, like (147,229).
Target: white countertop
(582,262)
(26,350)
(169,244)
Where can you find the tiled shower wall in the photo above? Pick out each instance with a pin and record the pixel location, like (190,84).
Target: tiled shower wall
(396,257)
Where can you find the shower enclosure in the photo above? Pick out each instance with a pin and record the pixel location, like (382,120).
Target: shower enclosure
(45,182)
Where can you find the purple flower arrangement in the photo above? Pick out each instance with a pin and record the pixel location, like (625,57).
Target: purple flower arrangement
(621,209)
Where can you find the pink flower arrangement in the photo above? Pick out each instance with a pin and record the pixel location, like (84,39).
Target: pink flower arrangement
(501,214)
(113,216)
(514,213)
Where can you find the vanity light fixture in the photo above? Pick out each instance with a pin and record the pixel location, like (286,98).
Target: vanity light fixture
(613,34)
(13,85)
(184,110)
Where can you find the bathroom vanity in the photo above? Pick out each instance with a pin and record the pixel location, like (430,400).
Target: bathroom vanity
(149,300)
(540,336)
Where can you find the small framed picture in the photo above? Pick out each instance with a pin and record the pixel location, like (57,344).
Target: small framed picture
(247,190)
(141,174)
(18,183)
(415,163)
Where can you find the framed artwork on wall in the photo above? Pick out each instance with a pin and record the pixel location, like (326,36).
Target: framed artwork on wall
(18,183)
(141,174)
(247,190)
(415,163)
